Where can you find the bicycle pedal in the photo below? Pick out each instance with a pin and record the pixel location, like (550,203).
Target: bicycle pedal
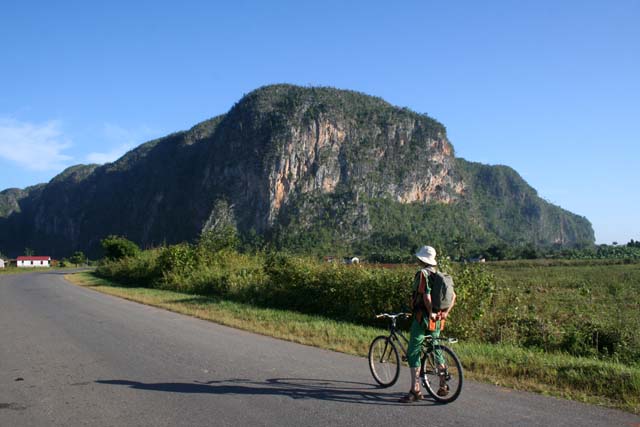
(404,358)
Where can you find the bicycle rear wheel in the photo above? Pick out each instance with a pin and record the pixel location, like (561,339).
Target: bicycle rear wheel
(442,381)
(384,361)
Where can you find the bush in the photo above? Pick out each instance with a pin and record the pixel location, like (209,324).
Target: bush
(117,247)
(225,273)
(219,239)
(140,270)
(180,259)
(349,292)
(475,288)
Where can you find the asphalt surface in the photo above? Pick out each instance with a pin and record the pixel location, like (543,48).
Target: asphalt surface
(70,356)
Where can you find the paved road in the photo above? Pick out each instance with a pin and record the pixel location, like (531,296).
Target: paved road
(70,356)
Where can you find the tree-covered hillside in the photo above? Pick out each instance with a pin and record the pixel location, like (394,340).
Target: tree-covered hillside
(312,169)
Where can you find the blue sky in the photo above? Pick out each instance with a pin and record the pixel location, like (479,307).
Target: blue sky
(549,88)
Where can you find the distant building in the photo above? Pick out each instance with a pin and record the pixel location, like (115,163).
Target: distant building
(34,261)
(2,263)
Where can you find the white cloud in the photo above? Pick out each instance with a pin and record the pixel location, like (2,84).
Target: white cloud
(35,146)
(109,156)
(121,140)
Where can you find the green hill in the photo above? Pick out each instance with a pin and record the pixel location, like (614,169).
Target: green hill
(314,169)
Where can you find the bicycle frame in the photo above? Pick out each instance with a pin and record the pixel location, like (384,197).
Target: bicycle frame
(428,345)
(395,336)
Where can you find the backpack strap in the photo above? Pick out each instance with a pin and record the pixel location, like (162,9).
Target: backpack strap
(419,310)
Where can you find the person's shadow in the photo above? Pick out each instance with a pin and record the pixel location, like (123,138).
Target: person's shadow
(295,388)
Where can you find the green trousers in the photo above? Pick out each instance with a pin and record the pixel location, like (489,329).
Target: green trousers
(417,335)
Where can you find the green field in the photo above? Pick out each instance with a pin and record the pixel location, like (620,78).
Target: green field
(583,308)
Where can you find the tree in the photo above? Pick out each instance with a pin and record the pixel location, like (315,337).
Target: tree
(497,251)
(78,258)
(529,252)
(225,237)
(252,241)
(220,231)
(28,252)
(459,244)
(118,247)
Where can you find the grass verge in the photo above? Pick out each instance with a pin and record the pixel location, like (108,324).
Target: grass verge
(23,270)
(586,380)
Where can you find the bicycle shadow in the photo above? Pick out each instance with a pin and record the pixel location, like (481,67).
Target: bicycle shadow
(294,388)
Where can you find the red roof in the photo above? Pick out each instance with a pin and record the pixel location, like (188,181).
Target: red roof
(33,258)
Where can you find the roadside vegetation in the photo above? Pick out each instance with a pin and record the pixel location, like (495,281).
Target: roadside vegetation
(589,380)
(562,327)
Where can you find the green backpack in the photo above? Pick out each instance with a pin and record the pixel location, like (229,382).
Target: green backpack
(441,290)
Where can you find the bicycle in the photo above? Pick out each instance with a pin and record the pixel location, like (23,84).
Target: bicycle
(384,361)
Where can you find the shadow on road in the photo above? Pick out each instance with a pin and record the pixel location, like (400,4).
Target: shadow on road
(295,388)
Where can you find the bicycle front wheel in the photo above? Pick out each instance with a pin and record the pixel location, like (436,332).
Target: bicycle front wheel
(384,361)
(441,374)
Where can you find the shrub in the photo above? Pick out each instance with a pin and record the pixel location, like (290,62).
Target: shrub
(117,247)
(349,292)
(142,269)
(180,259)
(219,239)
(475,288)
(226,274)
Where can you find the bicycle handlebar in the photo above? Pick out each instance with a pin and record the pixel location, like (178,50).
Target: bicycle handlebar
(393,316)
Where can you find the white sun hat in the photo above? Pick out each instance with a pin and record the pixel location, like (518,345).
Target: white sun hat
(427,255)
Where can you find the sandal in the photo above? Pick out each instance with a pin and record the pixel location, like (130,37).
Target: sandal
(443,390)
(412,396)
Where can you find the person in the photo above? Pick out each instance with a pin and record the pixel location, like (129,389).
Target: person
(423,311)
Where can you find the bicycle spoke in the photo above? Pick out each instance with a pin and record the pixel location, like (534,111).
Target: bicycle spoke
(442,374)
(383,361)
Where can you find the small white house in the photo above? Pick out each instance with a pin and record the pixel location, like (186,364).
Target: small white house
(2,263)
(34,261)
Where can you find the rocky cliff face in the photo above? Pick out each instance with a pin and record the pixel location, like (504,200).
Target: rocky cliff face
(9,201)
(286,160)
(284,141)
